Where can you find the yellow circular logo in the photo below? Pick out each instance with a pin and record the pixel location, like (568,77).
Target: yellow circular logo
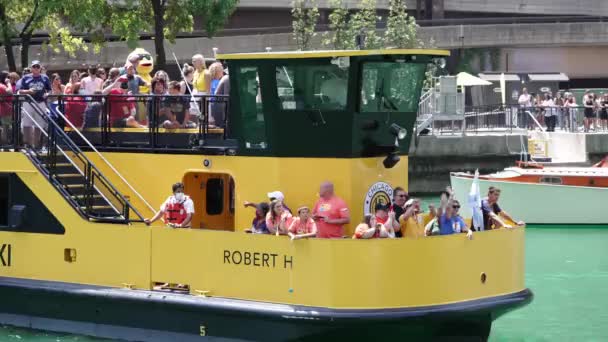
(379,192)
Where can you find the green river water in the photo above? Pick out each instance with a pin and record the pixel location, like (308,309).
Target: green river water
(566,268)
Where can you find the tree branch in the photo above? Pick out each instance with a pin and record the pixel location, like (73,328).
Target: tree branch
(31,19)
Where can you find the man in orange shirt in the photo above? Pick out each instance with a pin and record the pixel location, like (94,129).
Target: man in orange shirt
(330,213)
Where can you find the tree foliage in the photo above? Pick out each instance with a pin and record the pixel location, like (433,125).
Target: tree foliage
(166,19)
(305,16)
(344,27)
(401,28)
(364,24)
(341,35)
(21,18)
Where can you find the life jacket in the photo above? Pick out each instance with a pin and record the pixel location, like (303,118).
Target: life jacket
(176,212)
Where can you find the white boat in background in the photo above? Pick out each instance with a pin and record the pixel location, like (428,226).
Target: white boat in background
(544,195)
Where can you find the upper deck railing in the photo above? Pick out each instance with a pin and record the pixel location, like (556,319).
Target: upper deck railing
(169,123)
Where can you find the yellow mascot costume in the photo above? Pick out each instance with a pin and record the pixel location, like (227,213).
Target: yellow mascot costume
(144,69)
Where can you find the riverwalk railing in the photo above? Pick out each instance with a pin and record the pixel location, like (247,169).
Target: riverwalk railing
(510,118)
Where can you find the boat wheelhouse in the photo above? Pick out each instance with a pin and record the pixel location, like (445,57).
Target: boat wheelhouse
(77,256)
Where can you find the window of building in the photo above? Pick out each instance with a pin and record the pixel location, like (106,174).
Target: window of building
(215,196)
(312,87)
(391,86)
(250,101)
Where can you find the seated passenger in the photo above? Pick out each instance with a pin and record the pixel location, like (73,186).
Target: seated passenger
(92,115)
(493,214)
(177,209)
(413,221)
(122,108)
(278,219)
(176,108)
(159,88)
(75,107)
(302,226)
(371,229)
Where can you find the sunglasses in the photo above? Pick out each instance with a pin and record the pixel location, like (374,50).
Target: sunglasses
(401,195)
(456,206)
(35,66)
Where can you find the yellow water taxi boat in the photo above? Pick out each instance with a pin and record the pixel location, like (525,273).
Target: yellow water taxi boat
(76,256)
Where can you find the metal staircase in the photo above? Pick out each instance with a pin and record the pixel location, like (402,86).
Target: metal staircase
(80,182)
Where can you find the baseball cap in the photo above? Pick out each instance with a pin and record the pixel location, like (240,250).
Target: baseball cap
(381,206)
(276,195)
(409,202)
(35,62)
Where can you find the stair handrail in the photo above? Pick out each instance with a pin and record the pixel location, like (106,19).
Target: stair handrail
(83,157)
(90,145)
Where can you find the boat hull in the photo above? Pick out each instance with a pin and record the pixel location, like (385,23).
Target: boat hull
(138,315)
(540,203)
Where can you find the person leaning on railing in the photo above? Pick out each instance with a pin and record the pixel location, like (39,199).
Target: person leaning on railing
(493,215)
(413,221)
(177,210)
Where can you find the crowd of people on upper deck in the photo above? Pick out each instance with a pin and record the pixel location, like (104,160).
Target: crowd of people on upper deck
(560,110)
(89,95)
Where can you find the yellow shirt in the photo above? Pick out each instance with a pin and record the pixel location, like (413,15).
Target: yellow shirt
(413,227)
(199,81)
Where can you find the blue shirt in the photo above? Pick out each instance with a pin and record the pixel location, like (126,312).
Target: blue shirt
(40,84)
(451,225)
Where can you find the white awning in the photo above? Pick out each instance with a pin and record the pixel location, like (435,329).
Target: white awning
(468,80)
(561,77)
(496,77)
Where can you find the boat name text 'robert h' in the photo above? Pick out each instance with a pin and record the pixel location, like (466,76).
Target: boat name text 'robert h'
(257,259)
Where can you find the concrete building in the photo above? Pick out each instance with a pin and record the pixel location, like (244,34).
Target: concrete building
(525,35)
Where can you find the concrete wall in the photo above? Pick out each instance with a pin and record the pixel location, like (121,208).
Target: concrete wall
(432,160)
(509,35)
(544,7)
(450,37)
(555,7)
(576,62)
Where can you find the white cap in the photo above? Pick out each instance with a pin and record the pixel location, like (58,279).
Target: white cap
(276,195)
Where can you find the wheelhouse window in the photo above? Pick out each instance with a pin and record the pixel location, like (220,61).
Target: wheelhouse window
(312,87)
(250,101)
(551,180)
(391,86)
(4,205)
